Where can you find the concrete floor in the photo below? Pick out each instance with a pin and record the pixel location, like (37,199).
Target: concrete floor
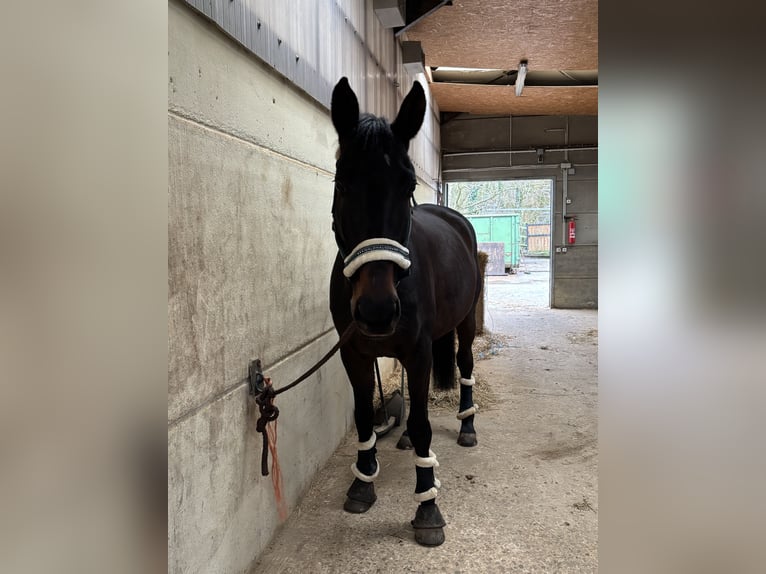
(527,288)
(524,500)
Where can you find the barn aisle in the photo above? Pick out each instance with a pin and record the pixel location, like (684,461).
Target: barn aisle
(524,500)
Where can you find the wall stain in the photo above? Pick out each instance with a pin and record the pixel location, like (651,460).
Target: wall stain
(287,191)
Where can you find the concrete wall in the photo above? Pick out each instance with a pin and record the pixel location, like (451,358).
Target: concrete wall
(574,271)
(313,44)
(251,161)
(250,189)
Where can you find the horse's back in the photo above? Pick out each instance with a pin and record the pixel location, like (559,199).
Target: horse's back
(445,244)
(445,224)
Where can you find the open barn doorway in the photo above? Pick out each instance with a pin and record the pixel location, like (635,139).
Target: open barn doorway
(512,220)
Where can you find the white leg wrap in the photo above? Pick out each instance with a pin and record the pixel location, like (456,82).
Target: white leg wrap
(364,477)
(468,412)
(427,462)
(467,382)
(429,494)
(367,445)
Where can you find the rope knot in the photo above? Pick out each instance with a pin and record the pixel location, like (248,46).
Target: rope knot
(267,408)
(261,388)
(269,412)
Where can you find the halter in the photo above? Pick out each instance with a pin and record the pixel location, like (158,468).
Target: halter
(375,249)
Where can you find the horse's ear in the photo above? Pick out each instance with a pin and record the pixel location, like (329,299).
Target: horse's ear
(411,114)
(344,109)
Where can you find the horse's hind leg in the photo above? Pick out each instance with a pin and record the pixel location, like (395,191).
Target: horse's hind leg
(361,494)
(466,332)
(428,523)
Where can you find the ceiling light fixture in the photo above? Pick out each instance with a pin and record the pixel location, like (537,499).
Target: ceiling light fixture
(520,77)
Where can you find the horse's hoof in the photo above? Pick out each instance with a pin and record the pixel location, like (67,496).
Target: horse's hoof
(429,536)
(429,525)
(356,506)
(404,443)
(467,439)
(360,497)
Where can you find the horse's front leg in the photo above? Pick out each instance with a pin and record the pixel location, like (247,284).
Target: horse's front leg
(361,494)
(428,523)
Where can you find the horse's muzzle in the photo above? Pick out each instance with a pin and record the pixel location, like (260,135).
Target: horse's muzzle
(377,318)
(375,304)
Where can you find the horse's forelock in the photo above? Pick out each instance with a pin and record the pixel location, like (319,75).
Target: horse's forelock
(373,137)
(373,133)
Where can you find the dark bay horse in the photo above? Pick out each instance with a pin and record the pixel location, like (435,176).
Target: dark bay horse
(409,278)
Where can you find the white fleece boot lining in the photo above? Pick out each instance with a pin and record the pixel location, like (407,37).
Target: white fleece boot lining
(364,477)
(429,494)
(468,412)
(467,382)
(427,462)
(368,444)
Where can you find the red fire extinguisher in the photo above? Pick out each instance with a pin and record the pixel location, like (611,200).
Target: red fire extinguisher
(572,230)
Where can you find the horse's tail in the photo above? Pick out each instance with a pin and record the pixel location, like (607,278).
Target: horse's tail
(443,351)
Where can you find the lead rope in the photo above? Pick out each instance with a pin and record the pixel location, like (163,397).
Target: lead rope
(264,393)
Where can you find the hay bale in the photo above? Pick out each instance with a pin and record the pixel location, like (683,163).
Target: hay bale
(483,258)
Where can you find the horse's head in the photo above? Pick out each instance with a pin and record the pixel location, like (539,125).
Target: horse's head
(374,182)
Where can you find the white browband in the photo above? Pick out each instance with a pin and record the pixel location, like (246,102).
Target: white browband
(376,249)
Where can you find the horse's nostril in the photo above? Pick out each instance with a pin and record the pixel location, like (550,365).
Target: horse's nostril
(377,313)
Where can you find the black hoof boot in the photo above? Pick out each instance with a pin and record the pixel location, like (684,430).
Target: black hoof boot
(429,525)
(404,442)
(360,497)
(467,439)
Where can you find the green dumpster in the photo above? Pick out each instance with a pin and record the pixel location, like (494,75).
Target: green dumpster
(503,228)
